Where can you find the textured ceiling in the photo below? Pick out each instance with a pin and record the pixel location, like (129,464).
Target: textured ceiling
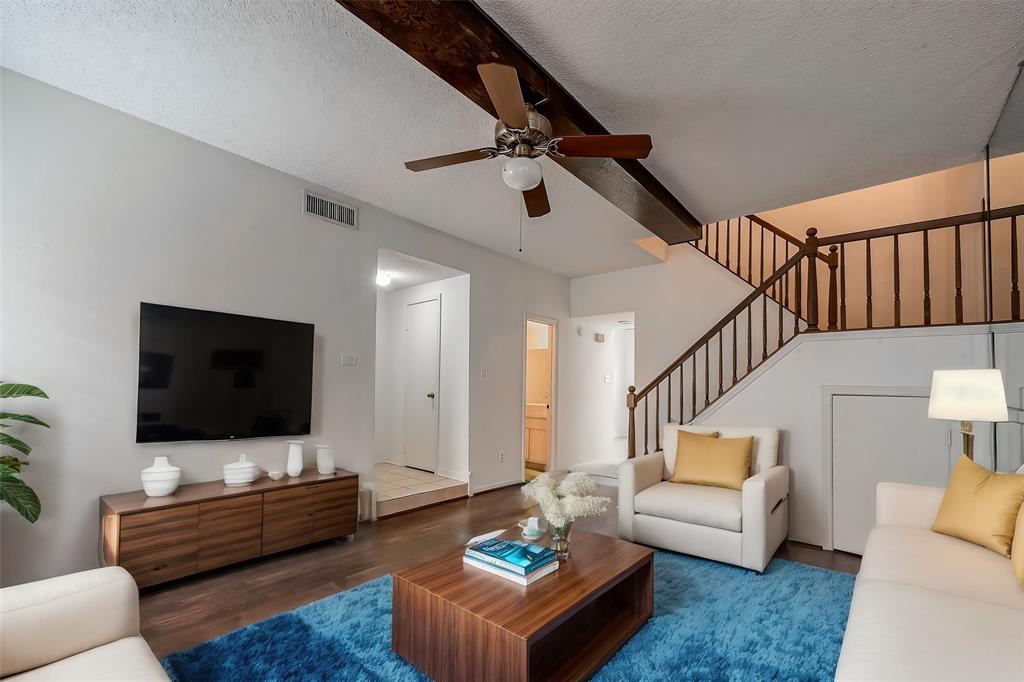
(409,271)
(306,88)
(756,105)
(752,105)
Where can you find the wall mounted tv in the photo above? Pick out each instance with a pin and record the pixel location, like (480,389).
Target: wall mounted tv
(215,376)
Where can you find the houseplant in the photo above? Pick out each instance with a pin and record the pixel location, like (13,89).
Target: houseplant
(13,490)
(562,502)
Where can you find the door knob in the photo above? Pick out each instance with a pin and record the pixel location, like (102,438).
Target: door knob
(430,395)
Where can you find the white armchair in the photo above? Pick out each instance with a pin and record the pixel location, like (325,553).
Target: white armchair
(82,626)
(736,527)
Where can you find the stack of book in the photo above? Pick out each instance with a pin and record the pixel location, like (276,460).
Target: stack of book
(514,560)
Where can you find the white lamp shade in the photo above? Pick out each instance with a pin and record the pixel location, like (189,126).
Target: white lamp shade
(971,395)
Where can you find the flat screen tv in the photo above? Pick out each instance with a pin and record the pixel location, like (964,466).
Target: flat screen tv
(216,376)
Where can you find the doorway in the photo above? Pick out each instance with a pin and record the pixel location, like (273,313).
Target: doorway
(538,397)
(421,383)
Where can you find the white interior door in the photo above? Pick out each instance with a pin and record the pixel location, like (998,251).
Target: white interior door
(422,377)
(879,438)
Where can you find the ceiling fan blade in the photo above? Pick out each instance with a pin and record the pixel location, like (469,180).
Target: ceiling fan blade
(610,146)
(450,159)
(537,201)
(502,83)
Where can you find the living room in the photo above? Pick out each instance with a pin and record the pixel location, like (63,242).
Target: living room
(808,215)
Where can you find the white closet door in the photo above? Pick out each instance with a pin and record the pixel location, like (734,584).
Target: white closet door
(422,376)
(874,439)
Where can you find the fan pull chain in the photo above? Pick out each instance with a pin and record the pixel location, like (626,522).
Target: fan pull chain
(520,224)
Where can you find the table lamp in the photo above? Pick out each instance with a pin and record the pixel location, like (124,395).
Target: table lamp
(968,395)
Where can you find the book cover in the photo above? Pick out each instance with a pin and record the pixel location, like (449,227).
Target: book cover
(512,555)
(524,580)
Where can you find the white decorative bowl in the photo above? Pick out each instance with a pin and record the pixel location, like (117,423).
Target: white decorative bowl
(161,479)
(275,475)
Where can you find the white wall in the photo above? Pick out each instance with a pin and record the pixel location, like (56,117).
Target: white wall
(103,210)
(453,390)
(788,392)
(592,409)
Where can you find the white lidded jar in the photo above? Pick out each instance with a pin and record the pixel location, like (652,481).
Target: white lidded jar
(161,479)
(294,467)
(240,473)
(324,460)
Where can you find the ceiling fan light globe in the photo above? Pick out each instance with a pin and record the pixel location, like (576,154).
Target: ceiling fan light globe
(521,173)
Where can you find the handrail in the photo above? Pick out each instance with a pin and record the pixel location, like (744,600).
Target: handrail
(771,228)
(740,307)
(923,225)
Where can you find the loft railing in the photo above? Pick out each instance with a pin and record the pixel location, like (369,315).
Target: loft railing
(963,269)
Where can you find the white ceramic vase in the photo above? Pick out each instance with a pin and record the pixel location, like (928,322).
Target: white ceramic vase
(161,479)
(324,460)
(294,467)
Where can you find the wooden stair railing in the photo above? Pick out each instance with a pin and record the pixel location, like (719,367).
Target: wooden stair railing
(751,248)
(981,249)
(773,327)
(963,269)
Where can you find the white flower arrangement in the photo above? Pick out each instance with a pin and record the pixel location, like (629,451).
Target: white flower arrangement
(562,502)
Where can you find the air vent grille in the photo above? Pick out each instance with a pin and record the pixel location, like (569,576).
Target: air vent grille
(330,210)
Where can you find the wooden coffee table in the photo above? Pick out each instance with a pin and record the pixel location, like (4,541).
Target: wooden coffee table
(457,622)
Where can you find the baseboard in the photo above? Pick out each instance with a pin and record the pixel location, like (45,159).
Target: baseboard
(495,486)
(453,474)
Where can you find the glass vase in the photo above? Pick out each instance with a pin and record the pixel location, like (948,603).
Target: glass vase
(560,541)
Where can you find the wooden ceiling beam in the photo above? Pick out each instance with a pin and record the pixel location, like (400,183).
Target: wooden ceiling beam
(452,37)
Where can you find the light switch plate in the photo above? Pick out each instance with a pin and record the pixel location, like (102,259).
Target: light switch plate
(348,360)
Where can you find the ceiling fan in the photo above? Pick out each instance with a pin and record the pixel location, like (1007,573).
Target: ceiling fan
(522,135)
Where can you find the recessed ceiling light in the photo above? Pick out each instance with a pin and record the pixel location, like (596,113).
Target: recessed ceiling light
(383,278)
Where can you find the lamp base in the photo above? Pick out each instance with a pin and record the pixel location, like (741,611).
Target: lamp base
(967,429)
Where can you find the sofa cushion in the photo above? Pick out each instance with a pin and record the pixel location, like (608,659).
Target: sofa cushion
(938,562)
(763,456)
(122,660)
(898,631)
(697,504)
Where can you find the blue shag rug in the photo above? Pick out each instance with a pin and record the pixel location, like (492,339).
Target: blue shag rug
(711,622)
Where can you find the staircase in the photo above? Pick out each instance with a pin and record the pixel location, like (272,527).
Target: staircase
(958,270)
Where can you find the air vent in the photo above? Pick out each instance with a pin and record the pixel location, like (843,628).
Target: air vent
(329,210)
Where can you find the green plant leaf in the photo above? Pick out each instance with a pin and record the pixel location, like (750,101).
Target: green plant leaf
(20,496)
(7,471)
(20,390)
(12,442)
(13,463)
(27,418)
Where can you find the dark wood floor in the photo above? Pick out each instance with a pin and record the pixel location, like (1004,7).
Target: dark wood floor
(187,612)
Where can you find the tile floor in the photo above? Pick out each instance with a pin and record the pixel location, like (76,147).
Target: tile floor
(400,488)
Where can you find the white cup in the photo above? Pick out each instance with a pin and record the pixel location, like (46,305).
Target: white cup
(533,524)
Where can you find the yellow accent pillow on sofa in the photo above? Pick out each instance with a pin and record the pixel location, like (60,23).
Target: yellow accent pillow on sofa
(980,506)
(718,462)
(1017,552)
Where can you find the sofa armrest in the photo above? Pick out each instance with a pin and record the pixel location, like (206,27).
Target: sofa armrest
(49,620)
(902,504)
(636,475)
(765,510)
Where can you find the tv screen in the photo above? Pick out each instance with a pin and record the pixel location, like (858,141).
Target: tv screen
(214,376)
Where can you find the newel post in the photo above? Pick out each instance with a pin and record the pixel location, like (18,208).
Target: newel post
(811,249)
(631,406)
(833,294)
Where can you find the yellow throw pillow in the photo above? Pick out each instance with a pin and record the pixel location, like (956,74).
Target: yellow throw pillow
(718,462)
(1017,552)
(980,506)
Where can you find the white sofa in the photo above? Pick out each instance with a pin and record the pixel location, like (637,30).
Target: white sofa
(82,626)
(737,527)
(928,606)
